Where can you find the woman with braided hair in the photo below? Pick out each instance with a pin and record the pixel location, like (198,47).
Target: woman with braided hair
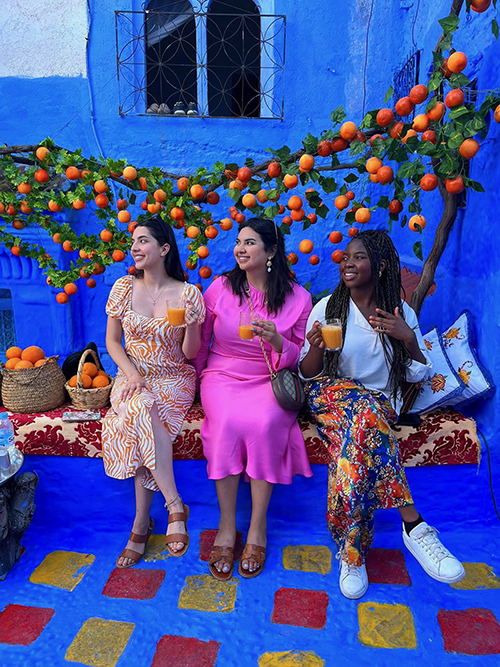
(354,395)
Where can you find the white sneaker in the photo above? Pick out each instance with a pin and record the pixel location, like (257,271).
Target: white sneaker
(353,580)
(436,560)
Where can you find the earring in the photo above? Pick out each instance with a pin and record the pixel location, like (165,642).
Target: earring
(269,265)
(379,273)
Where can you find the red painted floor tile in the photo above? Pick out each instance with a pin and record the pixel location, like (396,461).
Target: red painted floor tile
(207,538)
(471,632)
(387,566)
(22,625)
(294,606)
(133,584)
(185,651)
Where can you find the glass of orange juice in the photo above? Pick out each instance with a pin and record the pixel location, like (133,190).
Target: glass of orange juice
(331,330)
(245,331)
(176,310)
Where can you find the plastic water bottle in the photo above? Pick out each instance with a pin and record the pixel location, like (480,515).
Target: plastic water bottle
(6,446)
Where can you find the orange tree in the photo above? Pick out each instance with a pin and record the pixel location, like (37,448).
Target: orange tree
(405,158)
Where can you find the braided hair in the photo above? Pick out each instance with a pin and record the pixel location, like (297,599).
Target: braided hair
(387,291)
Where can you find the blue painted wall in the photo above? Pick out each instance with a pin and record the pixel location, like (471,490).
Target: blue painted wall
(336,53)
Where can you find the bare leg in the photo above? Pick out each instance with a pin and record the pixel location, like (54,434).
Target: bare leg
(143,500)
(227,492)
(257,533)
(164,474)
(409,513)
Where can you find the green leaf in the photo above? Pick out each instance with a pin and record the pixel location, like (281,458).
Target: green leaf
(427,148)
(304,178)
(292,168)
(455,140)
(378,147)
(494,28)
(447,166)
(234,193)
(322,211)
(437,60)
(285,229)
(351,178)
(413,208)
(249,162)
(310,143)
(271,211)
(446,43)
(338,116)
(335,161)
(449,24)
(406,170)
(435,80)
(306,224)
(389,94)
(328,184)
(383,202)
(314,175)
(404,220)
(357,147)
(457,112)
(459,80)
(368,121)
(474,185)
(417,249)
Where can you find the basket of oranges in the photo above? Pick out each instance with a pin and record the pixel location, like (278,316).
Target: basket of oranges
(89,389)
(31,381)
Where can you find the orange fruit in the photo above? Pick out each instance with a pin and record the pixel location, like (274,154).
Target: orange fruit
(313,218)
(17,224)
(23,364)
(376,136)
(192,232)
(324,148)
(72,381)
(292,258)
(101,186)
(154,208)
(24,188)
(121,204)
(196,191)
(72,173)
(124,216)
(91,283)
(306,246)
(211,232)
(421,122)
(404,106)
(339,144)
(295,203)
(213,198)
(11,363)
(395,207)
(237,185)
(226,224)
(350,195)
(183,184)
(454,98)
(78,204)
(396,130)
(417,220)
(90,368)
(15,250)
(103,373)
(306,163)
(429,182)
(62,297)
(297,215)
(101,201)
(244,174)
(11,210)
(32,353)
(249,200)
(469,148)
(410,133)
(480,6)
(287,220)
(106,235)
(86,381)
(362,215)
(337,256)
(374,178)
(353,231)
(437,111)
(40,362)
(385,117)
(314,259)
(335,237)
(41,175)
(373,165)
(143,183)
(42,153)
(457,62)
(348,131)
(118,255)
(429,135)
(13,352)
(160,195)
(454,185)
(100,381)
(203,252)
(274,170)
(54,206)
(418,94)
(205,272)
(70,288)
(177,213)
(385,175)
(290,180)
(129,173)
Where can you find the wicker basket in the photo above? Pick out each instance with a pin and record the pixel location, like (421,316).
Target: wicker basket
(32,390)
(89,399)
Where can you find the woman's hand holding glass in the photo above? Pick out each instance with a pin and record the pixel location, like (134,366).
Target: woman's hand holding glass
(266,329)
(314,336)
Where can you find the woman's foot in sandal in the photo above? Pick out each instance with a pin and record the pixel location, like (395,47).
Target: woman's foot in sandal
(136,546)
(177,538)
(254,555)
(221,560)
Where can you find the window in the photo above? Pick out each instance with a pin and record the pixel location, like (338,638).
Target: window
(7,326)
(201,58)
(406,78)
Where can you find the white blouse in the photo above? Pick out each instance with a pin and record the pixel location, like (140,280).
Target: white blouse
(362,357)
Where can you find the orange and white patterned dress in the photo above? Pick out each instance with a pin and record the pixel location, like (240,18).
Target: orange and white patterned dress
(155,349)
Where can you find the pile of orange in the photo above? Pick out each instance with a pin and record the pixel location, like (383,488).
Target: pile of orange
(92,377)
(31,357)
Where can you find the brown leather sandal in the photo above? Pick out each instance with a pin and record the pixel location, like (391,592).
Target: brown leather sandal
(178,537)
(224,555)
(252,552)
(135,556)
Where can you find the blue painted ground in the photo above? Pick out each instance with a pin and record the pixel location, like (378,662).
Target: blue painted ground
(79,509)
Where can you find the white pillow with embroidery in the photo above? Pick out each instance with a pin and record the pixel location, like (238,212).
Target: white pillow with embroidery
(458,343)
(444,383)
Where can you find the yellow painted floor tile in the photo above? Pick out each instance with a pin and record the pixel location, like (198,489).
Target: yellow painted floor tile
(156,549)
(205,593)
(386,625)
(99,642)
(63,569)
(477,576)
(291,659)
(313,558)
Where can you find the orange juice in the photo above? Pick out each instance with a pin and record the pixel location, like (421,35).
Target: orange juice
(176,316)
(332,336)
(245,331)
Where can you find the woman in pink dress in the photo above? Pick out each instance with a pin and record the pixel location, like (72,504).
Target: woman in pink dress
(245,429)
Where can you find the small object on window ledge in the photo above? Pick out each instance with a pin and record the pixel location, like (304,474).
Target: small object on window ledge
(164,109)
(192,109)
(154,108)
(179,109)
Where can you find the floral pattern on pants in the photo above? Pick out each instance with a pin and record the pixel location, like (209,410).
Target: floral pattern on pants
(364,472)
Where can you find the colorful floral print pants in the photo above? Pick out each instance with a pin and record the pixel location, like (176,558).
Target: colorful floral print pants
(364,472)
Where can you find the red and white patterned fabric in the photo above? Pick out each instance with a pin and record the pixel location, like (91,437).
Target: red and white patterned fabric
(445,437)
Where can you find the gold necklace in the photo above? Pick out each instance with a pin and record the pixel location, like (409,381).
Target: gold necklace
(158,296)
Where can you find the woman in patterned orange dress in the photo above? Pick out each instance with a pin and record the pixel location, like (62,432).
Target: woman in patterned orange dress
(155,384)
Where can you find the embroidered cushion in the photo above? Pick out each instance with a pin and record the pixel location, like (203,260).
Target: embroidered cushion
(444,383)
(459,345)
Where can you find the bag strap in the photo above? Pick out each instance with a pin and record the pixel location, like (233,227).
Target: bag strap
(268,363)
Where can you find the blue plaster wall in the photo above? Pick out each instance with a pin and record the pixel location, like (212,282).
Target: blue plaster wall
(325,64)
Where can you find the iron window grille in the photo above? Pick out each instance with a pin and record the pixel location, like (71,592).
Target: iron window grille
(201,63)
(406,78)
(7,324)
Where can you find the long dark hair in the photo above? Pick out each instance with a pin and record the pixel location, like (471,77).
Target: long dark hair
(387,292)
(163,233)
(280,279)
